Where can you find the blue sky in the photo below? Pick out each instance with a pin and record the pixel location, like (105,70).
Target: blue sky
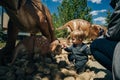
(99,8)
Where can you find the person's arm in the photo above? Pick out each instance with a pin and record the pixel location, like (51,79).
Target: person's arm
(68,49)
(116,65)
(114,25)
(87,51)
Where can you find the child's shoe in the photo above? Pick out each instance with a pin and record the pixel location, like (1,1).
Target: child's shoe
(70,66)
(79,71)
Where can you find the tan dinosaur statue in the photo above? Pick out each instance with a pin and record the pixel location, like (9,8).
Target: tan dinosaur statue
(26,16)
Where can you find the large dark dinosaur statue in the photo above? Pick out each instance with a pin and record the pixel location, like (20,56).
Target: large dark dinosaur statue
(27,16)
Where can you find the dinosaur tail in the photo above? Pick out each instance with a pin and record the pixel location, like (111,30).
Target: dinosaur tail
(61,28)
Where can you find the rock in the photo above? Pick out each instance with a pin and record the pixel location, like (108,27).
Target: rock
(89,75)
(23,69)
(68,72)
(69,78)
(3,70)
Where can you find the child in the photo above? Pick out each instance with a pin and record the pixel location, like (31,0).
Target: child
(79,51)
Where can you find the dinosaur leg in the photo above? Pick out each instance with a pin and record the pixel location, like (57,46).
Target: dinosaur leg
(18,48)
(10,44)
(50,24)
(68,39)
(44,26)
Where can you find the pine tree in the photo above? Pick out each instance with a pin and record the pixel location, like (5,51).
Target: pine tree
(108,17)
(69,10)
(74,9)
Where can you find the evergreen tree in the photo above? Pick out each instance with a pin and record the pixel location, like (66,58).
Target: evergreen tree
(108,17)
(56,24)
(71,9)
(74,9)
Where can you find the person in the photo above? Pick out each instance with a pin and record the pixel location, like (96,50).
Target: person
(78,51)
(116,65)
(105,48)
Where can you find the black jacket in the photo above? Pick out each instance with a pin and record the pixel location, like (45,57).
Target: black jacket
(79,52)
(114,25)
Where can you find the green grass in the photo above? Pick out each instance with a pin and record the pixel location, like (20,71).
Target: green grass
(2,44)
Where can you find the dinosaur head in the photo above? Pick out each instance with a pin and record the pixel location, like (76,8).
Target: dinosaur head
(56,47)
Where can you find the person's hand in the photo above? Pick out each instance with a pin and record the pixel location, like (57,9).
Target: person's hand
(64,45)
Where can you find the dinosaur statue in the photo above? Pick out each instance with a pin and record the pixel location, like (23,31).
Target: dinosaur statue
(91,31)
(26,16)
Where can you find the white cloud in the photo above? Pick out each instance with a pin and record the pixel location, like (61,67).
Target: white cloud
(96,12)
(95,1)
(57,0)
(100,19)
